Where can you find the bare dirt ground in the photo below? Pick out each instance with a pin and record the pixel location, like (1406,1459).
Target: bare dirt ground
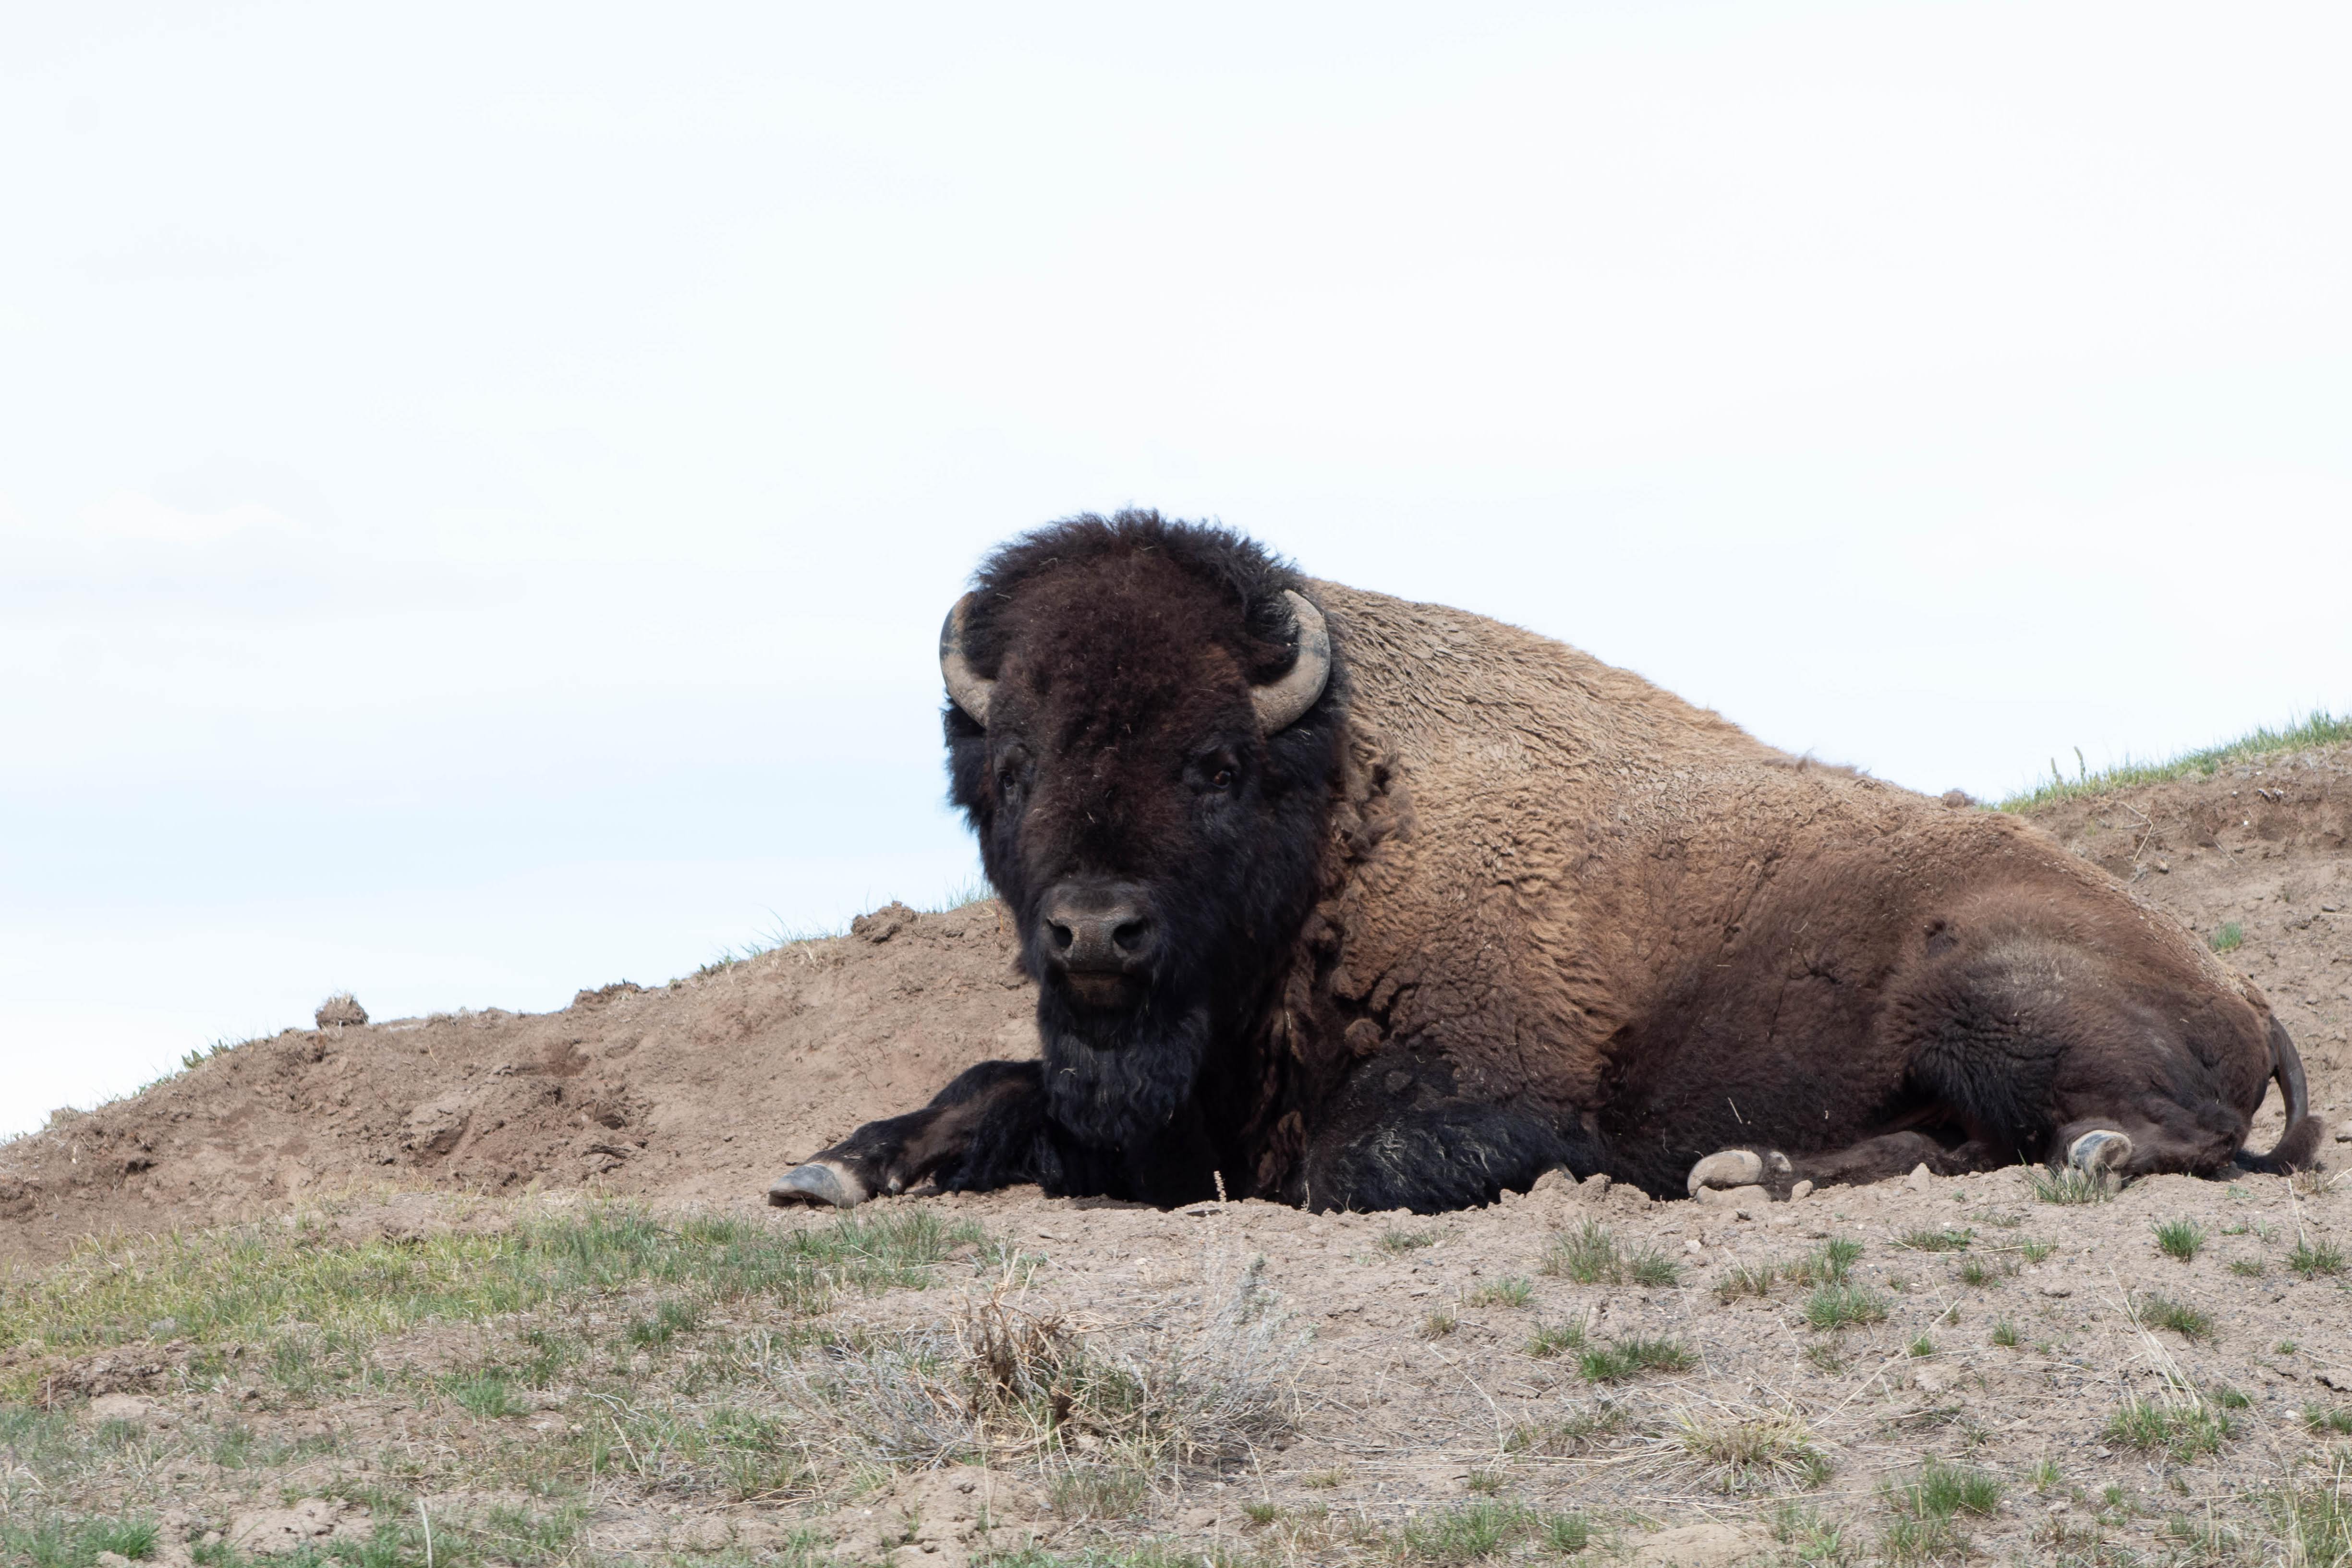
(1917,1371)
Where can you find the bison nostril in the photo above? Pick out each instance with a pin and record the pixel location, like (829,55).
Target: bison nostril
(1062,935)
(1131,934)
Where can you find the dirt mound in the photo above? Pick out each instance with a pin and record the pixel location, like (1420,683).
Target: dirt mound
(703,1089)
(698,1091)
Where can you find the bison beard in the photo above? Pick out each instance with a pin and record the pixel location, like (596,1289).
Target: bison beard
(1351,901)
(1124,1093)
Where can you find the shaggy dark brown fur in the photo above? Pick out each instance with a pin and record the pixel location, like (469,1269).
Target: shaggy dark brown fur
(1492,906)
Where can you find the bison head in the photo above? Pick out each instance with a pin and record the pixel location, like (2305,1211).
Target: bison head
(1143,731)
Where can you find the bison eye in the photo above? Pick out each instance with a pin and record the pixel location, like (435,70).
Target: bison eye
(1217,772)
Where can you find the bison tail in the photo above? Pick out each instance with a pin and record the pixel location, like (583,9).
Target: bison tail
(2300,1141)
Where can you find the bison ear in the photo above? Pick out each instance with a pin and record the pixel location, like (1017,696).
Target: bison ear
(1280,702)
(968,690)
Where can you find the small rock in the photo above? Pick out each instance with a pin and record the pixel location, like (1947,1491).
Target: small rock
(1801,1190)
(1919,1177)
(342,1010)
(2057,1290)
(112,1559)
(1555,1180)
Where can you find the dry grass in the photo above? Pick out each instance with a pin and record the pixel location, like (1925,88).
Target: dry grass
(1005,1382)
(1742,1449)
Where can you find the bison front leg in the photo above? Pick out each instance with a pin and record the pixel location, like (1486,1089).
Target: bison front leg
(984,1131)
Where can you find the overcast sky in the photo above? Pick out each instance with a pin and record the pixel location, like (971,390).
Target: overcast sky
(478,484)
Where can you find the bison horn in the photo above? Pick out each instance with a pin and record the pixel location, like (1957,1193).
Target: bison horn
(969,692)
(1280,702)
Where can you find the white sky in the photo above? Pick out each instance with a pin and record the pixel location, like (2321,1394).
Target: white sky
(478,484)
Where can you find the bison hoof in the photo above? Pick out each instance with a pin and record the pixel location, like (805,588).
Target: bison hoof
(1727,1168)
(817,1184)
(2099,1153)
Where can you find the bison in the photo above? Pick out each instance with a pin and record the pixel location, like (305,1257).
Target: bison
(1358,903)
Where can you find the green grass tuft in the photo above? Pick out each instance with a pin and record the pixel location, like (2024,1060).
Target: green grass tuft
(1829,1263)
(1844,1305)
(2325,1420)
(1551,1338)
(2311,1261)
(1615,1363)
(2180,1239)
(1590,1256)
(1476,1531)
(1511,1292)
(2067,1185)
(2183,1431)
(2164,1312)
(1933,1239)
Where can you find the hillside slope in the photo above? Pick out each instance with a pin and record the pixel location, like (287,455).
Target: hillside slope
(702,1089)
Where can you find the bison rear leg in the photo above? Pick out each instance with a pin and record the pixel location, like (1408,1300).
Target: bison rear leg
(981,1133)
(1783,1176)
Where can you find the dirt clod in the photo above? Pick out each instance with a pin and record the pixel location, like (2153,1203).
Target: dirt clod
(342,1010)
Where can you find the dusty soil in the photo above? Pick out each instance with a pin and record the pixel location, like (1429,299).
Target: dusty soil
(692,1095)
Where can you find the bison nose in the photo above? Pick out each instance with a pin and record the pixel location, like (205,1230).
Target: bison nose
(1099,929)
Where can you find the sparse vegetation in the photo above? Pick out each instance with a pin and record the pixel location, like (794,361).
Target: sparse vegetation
(2320,728)
(1439,1322)
(316,1303)
(1844,1306)
(1551,1338)
(2180,1238)
(1744,1279)
(2033,1249)
(1927,1506)
(1615,1363)
(1750,1451)
(2314,1515)
(1573,1433)
(2067,1185)
(2164,1312)
(2324,1420)
(1588,1255)
(1979,1274)
(2228,937)
(1929,1239)
(1476,1531)
(2248,1268)
(1829,1263)
(1398,1239)
(2312,1259)
(2004,1334)
(2184,1429)
(1507,1292)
